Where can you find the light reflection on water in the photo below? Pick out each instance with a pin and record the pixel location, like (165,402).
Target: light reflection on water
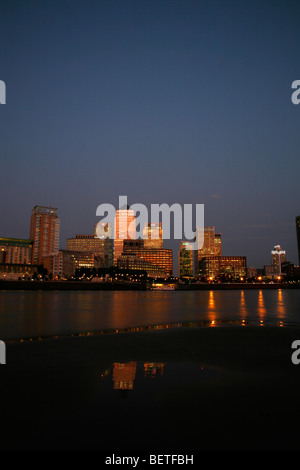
(29,314)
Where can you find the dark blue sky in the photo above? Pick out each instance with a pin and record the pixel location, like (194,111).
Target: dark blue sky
(163,101)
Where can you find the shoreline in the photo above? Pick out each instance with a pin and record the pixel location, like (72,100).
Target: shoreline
(107,286)
(176,325)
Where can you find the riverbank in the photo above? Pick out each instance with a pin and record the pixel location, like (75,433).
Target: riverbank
(221,388)
(121,285)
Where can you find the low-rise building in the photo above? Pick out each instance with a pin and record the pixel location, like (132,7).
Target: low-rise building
(230,267)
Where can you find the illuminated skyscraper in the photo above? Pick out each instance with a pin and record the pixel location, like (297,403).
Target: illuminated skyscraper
(153,236)
(44,232)
(298,236)
(278,257)
(185,260)
(218,244)
(208,248)
(124,229)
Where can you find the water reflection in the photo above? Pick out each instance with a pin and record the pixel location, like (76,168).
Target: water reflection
(281,307)
(211,308)
(39,315)
(261,307)
(243,307)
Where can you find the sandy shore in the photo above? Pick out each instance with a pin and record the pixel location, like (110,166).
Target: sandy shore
(222,388)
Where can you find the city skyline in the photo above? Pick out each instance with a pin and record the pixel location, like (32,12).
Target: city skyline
(45,237)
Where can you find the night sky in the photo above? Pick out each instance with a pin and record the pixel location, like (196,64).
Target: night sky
(163,101)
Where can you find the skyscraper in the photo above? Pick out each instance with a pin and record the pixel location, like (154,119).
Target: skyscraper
(185,260)
(124,229)
(278,257)
(44,232)
(218,244)
(298,236)
(153,235)
(208,248)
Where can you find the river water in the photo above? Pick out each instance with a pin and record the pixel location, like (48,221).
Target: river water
(32,314)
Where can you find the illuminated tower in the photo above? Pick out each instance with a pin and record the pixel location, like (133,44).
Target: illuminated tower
(218,244)
(153,236)
(185,260)
(278,257)
(44,232)
(124,229)
(208,248)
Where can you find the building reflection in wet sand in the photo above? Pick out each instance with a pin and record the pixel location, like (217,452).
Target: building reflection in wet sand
(153,369)
(124,375)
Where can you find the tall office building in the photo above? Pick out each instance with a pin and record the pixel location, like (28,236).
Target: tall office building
(208,247)
(124,229)
(185,260)
(106,228)
(44,232)
(218,244)
(153,235)
(298,236)
(278,257)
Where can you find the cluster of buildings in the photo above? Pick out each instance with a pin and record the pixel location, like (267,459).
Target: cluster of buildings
(26,258)
(208,262)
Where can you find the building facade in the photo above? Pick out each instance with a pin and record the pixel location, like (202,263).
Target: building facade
(229,267)
(124,229)
(162,258)
(278,257)
(185,260)
(44,232)
(153,236)
(212,246)
(60,264)
(16,250)
(15,258)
